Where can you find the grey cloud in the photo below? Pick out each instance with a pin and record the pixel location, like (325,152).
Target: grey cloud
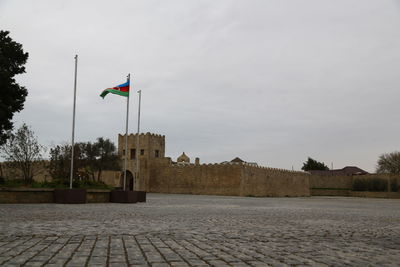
(269,81)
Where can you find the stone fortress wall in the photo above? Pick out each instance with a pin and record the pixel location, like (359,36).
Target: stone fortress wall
(204,179)
(159,174)
(271,182)
(237,179)
(40,174)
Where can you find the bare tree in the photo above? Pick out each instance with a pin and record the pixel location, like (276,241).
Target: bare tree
(389,163)
(59,165)
(23,151)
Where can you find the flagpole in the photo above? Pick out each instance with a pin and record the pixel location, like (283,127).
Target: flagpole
(137,139)
(73,126)
(126,133)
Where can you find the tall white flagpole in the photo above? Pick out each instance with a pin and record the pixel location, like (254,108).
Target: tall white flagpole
(137,139)
(73,126)
(126,131)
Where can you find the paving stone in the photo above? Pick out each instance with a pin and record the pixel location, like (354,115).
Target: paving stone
(117,264)
(217,263)
(31,264)
(187,230)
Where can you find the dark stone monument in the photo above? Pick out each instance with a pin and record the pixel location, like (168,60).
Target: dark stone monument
(121,196)
(141,196)
(70,196)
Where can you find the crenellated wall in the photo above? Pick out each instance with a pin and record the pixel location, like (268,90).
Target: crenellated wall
(228,179)
(271,182)
(161,175)
(207,179)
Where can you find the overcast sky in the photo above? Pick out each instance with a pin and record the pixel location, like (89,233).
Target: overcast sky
(272,82)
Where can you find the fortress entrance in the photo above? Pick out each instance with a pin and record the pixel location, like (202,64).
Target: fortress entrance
(130,182)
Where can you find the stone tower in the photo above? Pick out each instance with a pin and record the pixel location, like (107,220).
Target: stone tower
(151,154)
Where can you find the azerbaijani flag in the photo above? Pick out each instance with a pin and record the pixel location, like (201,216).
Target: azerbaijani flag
(122,89)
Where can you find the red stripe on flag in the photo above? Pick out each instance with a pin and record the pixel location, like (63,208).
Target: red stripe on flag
(122,89)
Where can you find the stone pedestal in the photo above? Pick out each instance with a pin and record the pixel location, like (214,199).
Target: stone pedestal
(121,196)
(70,196)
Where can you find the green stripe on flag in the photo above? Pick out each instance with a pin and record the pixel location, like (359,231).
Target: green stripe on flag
(113,91)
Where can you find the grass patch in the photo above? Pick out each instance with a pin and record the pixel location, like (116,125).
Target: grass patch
(316,188)
(91,185)
(55,184)
(13,183)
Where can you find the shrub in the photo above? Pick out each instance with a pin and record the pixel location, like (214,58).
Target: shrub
(378,185)
(52,184)
(373,185)
(360,185)
(14,183)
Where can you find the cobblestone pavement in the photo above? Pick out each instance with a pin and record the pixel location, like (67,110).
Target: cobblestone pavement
(185,230)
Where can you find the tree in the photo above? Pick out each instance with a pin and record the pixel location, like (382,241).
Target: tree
(90,153)
(312,164)
(389,163)
(99,156)
(60,161)
(90,159)
(24,152)
(108,156)
(12,59)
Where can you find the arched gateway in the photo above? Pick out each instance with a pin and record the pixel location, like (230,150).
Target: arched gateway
(130,181)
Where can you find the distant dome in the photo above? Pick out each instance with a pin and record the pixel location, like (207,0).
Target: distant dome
(183,158)
(237,160)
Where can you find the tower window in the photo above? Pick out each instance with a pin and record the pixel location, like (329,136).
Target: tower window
(157,153)
(142,152)
(133,153)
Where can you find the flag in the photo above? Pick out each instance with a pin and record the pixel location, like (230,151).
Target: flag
(122,89)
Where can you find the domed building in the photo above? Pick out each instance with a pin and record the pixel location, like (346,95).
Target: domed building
(183,158)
